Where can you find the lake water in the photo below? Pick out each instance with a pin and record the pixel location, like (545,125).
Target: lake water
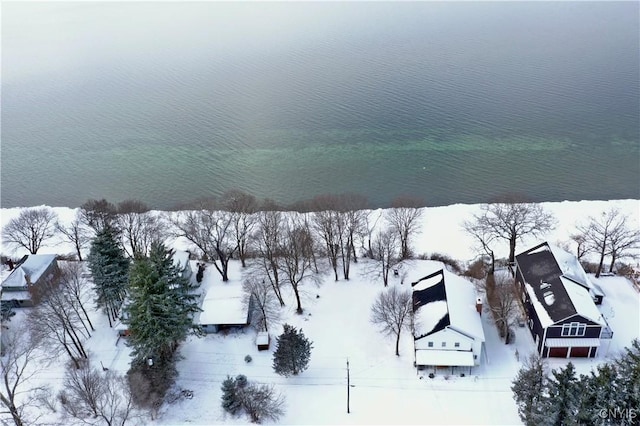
(451,102)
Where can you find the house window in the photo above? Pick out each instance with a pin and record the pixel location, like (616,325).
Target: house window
(444,344)
(430,344)
(456,344)
(574,329)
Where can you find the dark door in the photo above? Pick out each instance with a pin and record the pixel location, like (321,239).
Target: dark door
(580,352)
(558,352)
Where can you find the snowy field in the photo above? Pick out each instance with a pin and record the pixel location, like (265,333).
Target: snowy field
(385,389)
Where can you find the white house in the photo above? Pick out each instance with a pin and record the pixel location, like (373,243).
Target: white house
(447,324)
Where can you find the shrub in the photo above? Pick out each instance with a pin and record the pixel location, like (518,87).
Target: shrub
(200,273)
(589,267)
(260,402)
(452,264)
(248,359)
(477,269)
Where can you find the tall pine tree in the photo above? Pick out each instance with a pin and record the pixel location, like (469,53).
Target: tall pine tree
(110,270)
(161,308)
(564,396)
(293,352)
(528,391)
(628,367)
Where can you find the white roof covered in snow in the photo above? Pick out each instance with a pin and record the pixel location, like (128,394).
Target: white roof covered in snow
(34,266)
(570,266)
(180,259)
(224,305)
(582,301)
(461,301)
(262,338)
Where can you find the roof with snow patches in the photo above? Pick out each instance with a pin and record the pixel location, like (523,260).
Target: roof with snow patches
(557,284)
(32,269)
(442,300)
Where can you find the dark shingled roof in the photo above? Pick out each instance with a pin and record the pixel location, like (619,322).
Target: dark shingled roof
(541,271)
(434,293)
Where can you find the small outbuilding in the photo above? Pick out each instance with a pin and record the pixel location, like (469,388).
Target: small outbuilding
(262,341)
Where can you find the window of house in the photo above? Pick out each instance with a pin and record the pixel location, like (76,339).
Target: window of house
(430,344)
(573,329)
(444,344)
(456,344)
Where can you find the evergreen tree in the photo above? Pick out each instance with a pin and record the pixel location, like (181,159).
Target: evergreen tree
(564,396)
(293,352)
(528,391)
(628,367)
(110,270)
(231,401)
(599,391)
(161,308)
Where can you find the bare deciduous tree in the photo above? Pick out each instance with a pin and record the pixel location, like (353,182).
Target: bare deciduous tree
(582,247)
(501,298)
(370,224)
(210,230)
(76,289)
(327,225)
(260,297)
(103,396)
(98,214)
(20,351)
(76,233)
(483,238)
(607,235)
(242,207)
(64,328)
(296,266)
(404,218)
(392,311)
(385,249)
(268,240)
(262,402)
(139,227)
(31,228)
(511,218)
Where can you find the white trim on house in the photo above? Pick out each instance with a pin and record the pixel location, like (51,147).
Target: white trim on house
(574,343)
(444,358)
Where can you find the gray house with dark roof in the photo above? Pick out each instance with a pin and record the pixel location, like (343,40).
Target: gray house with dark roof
(20,288)
(560,303)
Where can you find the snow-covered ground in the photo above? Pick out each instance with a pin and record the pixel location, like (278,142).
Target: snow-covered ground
(441,226)
(385,389)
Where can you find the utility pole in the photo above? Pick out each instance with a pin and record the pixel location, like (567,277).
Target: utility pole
(348,386)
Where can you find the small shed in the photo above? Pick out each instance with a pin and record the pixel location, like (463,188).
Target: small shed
(262,341)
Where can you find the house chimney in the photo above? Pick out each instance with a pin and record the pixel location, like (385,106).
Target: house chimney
(479,305)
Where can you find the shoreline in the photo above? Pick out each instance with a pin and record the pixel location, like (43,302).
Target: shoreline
(441,230)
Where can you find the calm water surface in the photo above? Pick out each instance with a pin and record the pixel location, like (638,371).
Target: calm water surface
(452,102)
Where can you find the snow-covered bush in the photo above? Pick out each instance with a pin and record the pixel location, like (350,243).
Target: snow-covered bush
(258,401)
